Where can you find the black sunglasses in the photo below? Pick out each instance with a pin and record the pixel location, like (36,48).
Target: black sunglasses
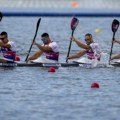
(2,38)
(86,39)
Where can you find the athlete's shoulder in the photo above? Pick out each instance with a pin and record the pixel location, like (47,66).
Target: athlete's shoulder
(53,43)
(11,42)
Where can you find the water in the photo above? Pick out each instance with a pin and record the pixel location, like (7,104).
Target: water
(35,94)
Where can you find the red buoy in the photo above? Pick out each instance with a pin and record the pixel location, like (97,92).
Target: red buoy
(51,69)
(95,85)
(17,58)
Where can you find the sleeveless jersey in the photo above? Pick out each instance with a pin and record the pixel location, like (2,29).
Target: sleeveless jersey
(94,52)
(54,54)
(9,53)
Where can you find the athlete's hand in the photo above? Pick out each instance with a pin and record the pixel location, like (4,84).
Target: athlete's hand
(27,60)
(113,40)
(111,58)
(33,42)
(67,58)
(72,39)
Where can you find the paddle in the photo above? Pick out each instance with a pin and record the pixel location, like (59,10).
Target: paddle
(1,16)
(114,27)
(74,24)
(37,26)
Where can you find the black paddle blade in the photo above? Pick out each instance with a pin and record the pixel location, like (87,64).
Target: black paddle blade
(115,25)
(1,16)
(37,26)
(74,23)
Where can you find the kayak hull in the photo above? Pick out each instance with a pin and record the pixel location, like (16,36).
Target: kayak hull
(73,64)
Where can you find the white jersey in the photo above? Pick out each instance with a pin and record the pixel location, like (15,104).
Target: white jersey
(95,51)
(9,53)
(54,54)
(13,46)
(54,46)
(96,48)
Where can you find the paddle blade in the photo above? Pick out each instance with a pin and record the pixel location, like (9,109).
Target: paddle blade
(37,26)
(115,25)
(1,16)
(74,23)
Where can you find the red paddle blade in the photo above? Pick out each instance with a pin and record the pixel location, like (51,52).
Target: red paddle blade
(74,23)
(115,25)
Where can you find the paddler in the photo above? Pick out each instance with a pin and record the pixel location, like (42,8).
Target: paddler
(49,48)
(91,49)
(8,49)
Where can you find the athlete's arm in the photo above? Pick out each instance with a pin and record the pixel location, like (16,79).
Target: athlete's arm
(116,57)
(81,53)
(43,48)
(35,55)
(117,41)
(84,46)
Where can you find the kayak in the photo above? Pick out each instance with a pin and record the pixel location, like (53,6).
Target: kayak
(83,62)
(56,65)
(23,64)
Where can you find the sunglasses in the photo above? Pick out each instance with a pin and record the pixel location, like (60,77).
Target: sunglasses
(86,39)
(2,38)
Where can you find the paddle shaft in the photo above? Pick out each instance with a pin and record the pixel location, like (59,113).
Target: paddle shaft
(70,46)
(111,47)
(1,16)
(33,38)
(30,49)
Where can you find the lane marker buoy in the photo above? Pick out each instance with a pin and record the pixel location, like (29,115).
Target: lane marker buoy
(95,85)
(51,69)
